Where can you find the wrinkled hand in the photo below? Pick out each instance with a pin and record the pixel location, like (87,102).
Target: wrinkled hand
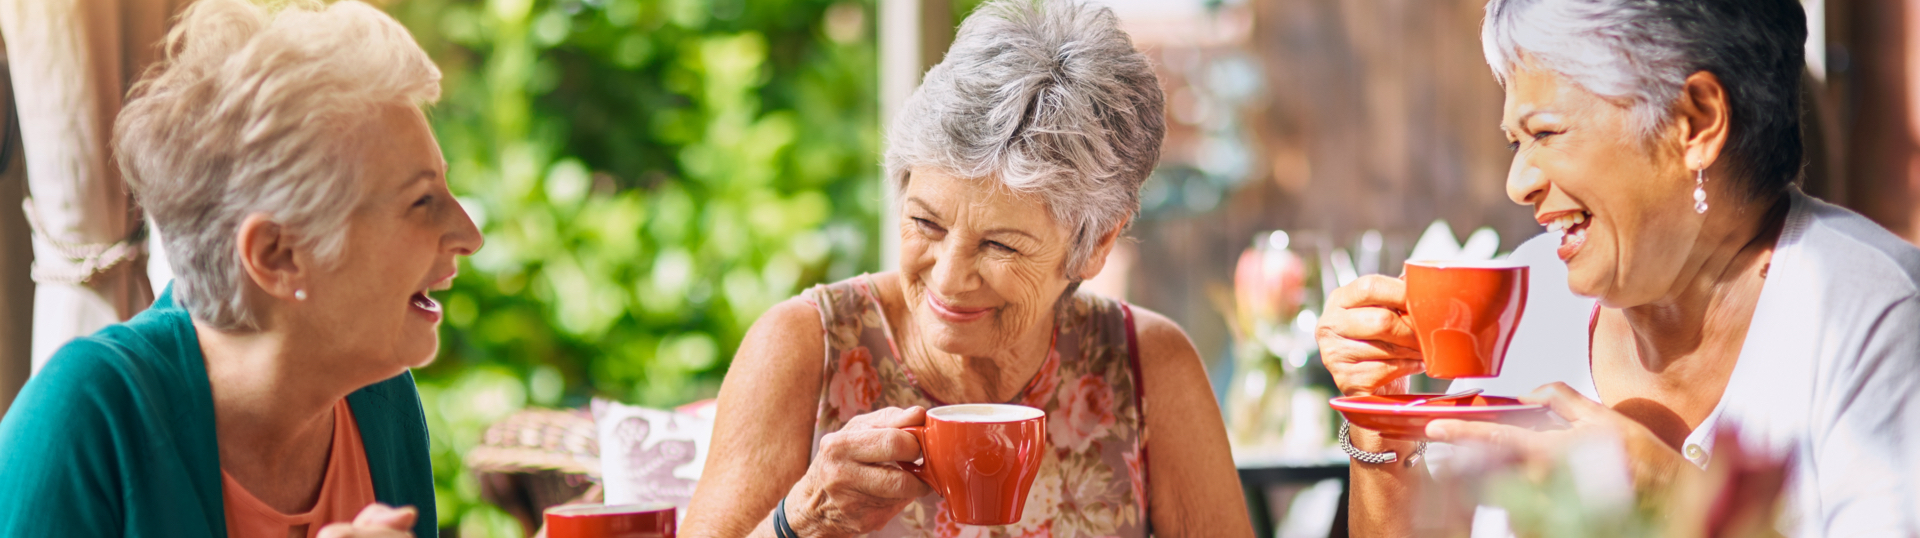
(1653,464)
(375,521)
(1365,339)
(853,487)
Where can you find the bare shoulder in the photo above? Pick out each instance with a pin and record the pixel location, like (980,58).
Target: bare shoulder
(786,344)
(1161,339)
(798,313)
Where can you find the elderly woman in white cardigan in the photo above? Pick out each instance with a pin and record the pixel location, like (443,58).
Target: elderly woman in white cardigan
(1019,163)
(1662,139)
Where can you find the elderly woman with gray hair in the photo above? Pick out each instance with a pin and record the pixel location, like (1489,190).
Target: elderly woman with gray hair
(303,201)
(1019,163)
(1662,139)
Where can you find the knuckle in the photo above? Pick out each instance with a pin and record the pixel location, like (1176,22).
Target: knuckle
(1339,299)
(1369,285)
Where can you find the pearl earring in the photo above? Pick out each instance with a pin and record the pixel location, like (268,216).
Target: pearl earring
(300,295)
(1700,191)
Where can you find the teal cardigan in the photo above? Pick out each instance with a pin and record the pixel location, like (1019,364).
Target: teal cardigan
(115,437)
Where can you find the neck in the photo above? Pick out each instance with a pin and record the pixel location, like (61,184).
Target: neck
(271,397)
(1718,289)
(957,378)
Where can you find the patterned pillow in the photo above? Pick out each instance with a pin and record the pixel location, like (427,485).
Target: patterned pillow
(650,455)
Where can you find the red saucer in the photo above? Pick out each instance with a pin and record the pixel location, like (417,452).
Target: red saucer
(1388,415)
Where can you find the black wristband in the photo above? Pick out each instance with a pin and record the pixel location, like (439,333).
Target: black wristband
(780,526)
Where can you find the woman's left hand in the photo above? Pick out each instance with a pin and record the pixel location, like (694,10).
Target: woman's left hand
(1652,462)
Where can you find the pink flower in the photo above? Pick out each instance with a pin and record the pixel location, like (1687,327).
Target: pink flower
(1084,415)
(856,385)
(1044,382)
(1137,473)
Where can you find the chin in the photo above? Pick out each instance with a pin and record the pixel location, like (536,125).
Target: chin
(965,341)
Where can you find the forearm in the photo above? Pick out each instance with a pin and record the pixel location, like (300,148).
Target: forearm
(1384,496)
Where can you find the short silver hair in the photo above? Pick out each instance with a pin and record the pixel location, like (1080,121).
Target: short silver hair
(1050,98)
(1640,53)
(253,111)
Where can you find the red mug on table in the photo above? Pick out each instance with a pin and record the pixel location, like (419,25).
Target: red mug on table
(611,521)
(981,458)
(1464,313)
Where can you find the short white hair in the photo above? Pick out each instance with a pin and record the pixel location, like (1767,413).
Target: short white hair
(252,111)
(1050,98)
(1639,53)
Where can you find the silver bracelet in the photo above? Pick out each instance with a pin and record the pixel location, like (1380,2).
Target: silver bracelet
(1375,458)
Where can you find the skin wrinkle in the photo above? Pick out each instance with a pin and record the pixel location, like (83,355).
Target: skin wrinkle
(946,254)
(274,387)
(1639,54)
(1023,97)
(1678,320)
(248,113)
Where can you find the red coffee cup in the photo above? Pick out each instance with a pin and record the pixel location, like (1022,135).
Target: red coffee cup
(611,521)
(1464,313)
(981,458)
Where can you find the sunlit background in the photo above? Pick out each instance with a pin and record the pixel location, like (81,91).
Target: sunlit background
(652,175)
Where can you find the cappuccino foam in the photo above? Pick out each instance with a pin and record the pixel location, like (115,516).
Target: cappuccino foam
(985,413)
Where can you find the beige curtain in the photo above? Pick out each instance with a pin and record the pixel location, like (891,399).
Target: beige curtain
(72,62)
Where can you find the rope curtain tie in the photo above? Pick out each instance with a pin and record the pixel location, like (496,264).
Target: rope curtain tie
(79,263)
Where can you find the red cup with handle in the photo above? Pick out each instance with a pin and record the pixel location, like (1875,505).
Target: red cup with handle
(611,521)
(1464,313)
(981,458)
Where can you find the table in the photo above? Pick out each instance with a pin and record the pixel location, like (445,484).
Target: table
(1259,472)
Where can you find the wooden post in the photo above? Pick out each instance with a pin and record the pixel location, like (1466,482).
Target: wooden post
(914,35)
(16,254)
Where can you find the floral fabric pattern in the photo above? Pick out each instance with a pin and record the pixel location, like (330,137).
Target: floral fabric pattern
(1093,480)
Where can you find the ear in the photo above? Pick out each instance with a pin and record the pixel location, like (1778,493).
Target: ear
(1702,115)
(268,258)
(1098,259)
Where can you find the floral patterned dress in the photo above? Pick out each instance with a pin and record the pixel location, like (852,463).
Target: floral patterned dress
(1093,481)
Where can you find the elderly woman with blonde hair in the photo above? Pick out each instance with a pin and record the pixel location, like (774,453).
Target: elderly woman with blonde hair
(1019,163)
(286,161)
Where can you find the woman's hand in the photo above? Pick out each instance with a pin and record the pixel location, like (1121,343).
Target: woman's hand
(853,487)
(1365,340)
(1653,463)
(375,521)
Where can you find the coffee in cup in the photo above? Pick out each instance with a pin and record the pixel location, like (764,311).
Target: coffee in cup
(981,458)
(1464,313)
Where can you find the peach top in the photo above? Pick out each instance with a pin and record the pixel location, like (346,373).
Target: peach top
(347,488)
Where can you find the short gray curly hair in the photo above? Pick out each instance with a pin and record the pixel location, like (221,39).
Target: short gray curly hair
(1642,51)
(1050,98)
(253,111)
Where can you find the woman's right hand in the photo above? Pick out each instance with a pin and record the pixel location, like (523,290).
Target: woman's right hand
(1366,340)
(853,487)
(375,521)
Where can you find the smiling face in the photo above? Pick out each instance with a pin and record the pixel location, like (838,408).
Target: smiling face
(1624,201)
(371,303)
(980,266)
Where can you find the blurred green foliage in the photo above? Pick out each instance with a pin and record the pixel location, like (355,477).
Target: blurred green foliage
(651,176)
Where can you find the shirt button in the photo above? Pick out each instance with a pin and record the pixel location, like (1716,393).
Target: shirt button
(1695,453)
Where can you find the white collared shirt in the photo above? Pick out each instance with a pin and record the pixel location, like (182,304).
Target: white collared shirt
(1829,371)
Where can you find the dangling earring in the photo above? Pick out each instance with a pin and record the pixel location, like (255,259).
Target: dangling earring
(1700,191)
(299,295)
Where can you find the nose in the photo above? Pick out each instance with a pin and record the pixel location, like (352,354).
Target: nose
(955,271)
(1526,184)
(465,238)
